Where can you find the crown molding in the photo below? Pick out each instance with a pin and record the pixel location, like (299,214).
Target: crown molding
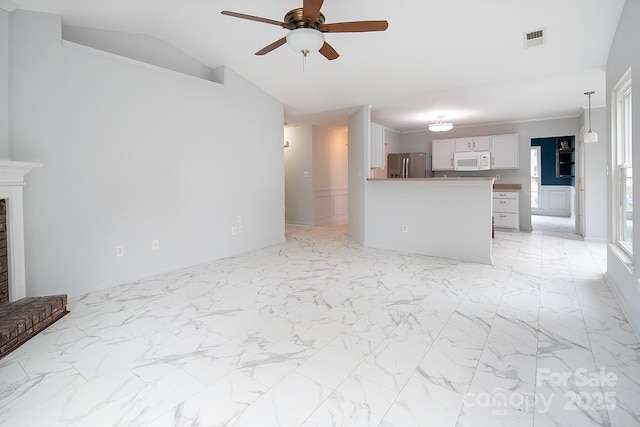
(8,5)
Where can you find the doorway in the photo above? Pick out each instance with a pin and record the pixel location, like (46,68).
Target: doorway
(553,184)
(316,175)
(535,177)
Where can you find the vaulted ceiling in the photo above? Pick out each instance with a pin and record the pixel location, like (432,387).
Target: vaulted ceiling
(465,59)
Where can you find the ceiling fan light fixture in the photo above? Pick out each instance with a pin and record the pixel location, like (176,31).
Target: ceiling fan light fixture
(306,27)
(441,126)
(305,40)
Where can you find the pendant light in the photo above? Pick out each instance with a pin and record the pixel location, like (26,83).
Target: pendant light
(441,126)
(590,136)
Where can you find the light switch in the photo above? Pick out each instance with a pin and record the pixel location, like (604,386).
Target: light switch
(306,174)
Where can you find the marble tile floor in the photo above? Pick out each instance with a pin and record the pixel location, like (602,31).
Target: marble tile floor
(323,332)
(561,225)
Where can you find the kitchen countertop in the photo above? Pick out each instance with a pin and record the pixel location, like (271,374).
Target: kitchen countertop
(437,179)
(507,187)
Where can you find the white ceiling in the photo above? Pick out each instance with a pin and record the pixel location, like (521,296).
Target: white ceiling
(461,58)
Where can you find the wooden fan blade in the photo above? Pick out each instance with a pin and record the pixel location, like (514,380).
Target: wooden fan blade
(276,44)
(311,9)
(328,52)
(255,18)
(354,27)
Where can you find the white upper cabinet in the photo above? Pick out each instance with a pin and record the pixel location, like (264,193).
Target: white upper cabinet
(475,143)
(377,146)
(442,154)
(505,153)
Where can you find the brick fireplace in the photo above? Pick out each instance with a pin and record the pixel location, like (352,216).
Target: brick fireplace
(11,183)
(20,318)
(4,266)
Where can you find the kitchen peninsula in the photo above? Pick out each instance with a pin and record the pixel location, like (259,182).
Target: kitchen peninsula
(442,217)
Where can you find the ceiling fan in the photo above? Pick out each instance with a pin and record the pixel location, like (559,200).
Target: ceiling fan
(307,26)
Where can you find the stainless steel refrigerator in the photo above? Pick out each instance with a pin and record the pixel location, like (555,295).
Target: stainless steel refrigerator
(409,165)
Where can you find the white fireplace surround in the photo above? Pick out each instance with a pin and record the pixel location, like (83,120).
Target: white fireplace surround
(11,183)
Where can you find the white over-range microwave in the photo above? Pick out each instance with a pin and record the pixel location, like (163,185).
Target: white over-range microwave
(472,161)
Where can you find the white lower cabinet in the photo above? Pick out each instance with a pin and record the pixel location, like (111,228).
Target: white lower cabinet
(506,209)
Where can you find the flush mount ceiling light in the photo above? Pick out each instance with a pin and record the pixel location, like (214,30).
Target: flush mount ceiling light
(590,136)
(441,126)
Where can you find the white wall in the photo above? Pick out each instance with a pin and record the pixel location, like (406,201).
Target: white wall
(445,218)
(416,142)
(330,175)
(623,55)
(359,137)
(526,131)
(141,47)
(555,200)
(4,84)
(595,182)
(131,153)
(330,158)
(298,159)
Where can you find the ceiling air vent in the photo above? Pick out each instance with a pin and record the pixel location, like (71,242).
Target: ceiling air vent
(534,38)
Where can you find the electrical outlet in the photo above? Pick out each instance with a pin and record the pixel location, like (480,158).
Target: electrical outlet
(497,177)
(119,250)
(234,231)
(306,174)
(405,228)
(155,245)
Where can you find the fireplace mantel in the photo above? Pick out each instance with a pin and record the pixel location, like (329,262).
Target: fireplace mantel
(11,182)
(12,173)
